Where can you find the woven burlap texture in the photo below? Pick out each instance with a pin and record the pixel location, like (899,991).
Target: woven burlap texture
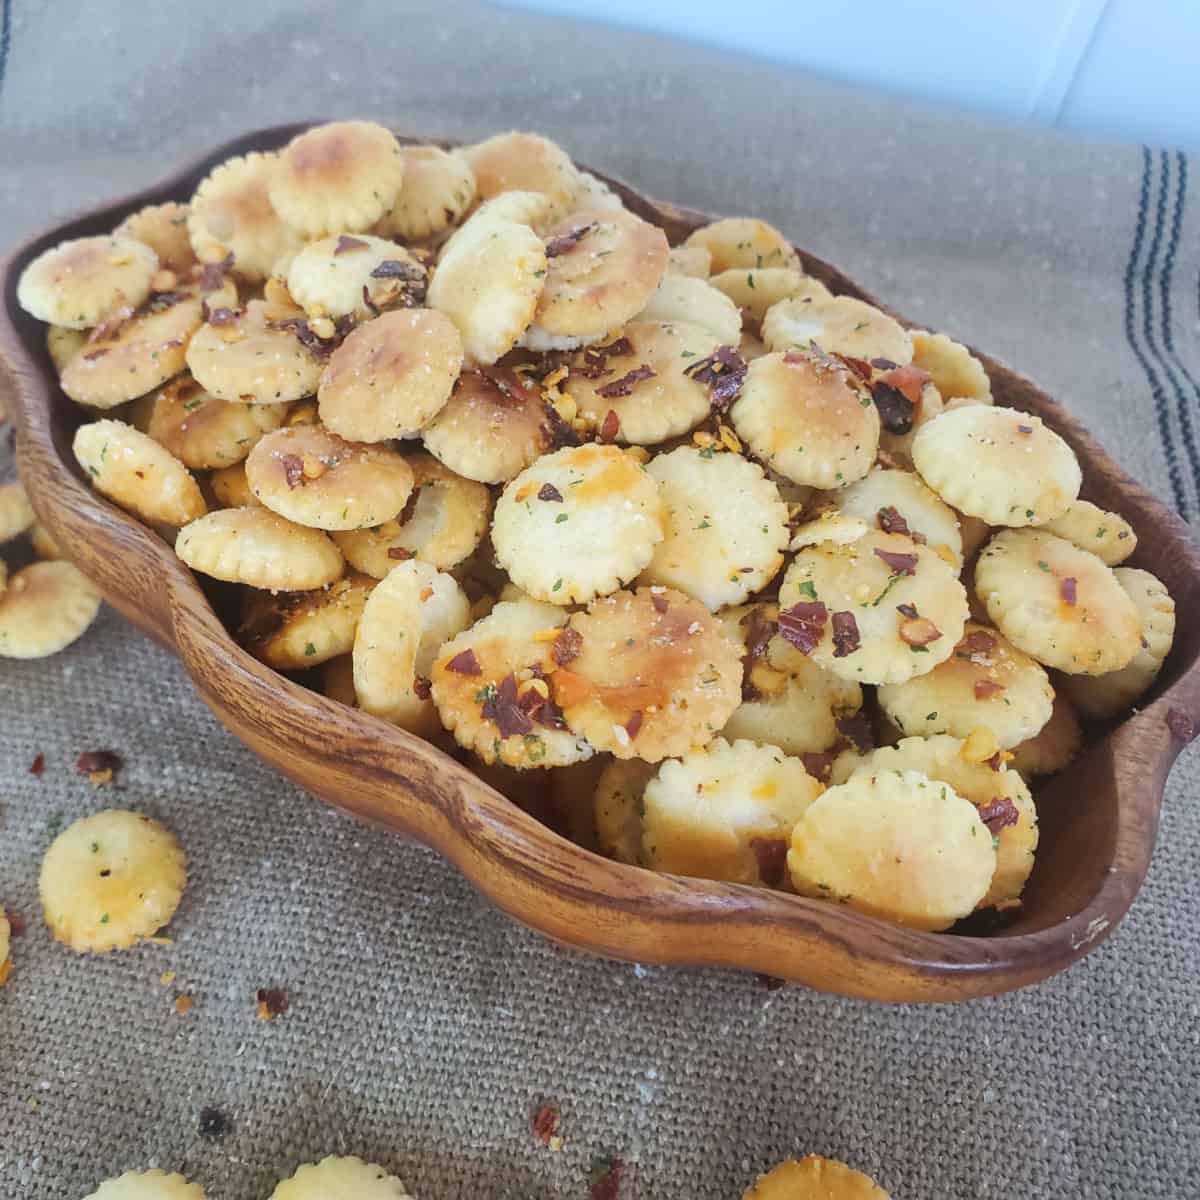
(424,1027)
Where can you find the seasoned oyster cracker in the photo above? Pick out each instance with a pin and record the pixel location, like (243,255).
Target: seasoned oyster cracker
(335,1178)
(252,357)
(110,880)
(45,607)
(899,502)
(578,523)
(205,433)
(337,178)
(1103,696)
(642,377)
(409,616)
(1106,534)
(260,548)
(725,526)
(524,162)
(877,607)
(986,682)
(134,352)
(1058,603)
(755,290)
(602,268)
(957,373)
(1000,465)
(357,275)
(231,214)
(895,845)
(488,280)
(315,478)
(293,631)
(646,674)
(155,1184)
(494,425)
(136,472)
(79,283)
(695,261)
(618,808)
(164,228)
(391,376)
(838,325)
(230,489)
(488,686)
(1055,746)
(1000,795)
(726,812)
(438,189)
(682,298)
(442,524)
(16,513)
(807,416)
(815,1178)
(744,242)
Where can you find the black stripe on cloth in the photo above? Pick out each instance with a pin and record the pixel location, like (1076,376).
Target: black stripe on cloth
(1168,330)
(5,37)
(1174,474)
(1152,273)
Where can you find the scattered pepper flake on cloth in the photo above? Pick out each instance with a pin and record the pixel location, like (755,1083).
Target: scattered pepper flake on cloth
(545,1122)
(100,766)
(272,1003)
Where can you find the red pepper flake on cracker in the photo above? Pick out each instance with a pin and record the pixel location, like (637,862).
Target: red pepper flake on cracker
(567,646)
(624,387)
(901,564)
(550,494)
(566,242)
(723,372)
(998,813)
(803,624)
(846,638)
(465,663)
(985,689)
(891,521)
(918,631)
(293,470)
(1067,589)
(346,244)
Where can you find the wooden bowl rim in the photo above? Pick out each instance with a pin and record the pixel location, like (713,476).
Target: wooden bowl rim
(926,966)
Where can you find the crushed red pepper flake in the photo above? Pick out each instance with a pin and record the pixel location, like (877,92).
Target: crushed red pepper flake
(395,268)
(38,765)
(659,602)
(985,689)
(908,381)
(594,363)
(901,564)
(558,431)
(908,610)
(399,553)
(859,366)
(760,629)
(625,385)
(1068,589)
(1024,428)
(610,427)
(410,507)
(271,1003)
(606,1177)
(803,624)
(293,470)
(550,493)
(918,631)
(892,521)
(998,813)
(724,372)
(220,316)
(846,638)
(212,275)
(346,243)
(771,854)
(465,663)
(567,646)
(502,706)
(978,641)
(16,924)
(545,1122)
(996,760)
(100,766)
(566,242)
(634,725)
(421,687)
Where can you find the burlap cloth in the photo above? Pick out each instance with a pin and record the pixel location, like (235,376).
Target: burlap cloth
(424,1026)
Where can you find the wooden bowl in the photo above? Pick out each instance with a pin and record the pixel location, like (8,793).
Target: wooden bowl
(1098,818)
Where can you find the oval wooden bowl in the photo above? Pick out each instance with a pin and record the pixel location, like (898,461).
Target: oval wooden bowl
(1098,819)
